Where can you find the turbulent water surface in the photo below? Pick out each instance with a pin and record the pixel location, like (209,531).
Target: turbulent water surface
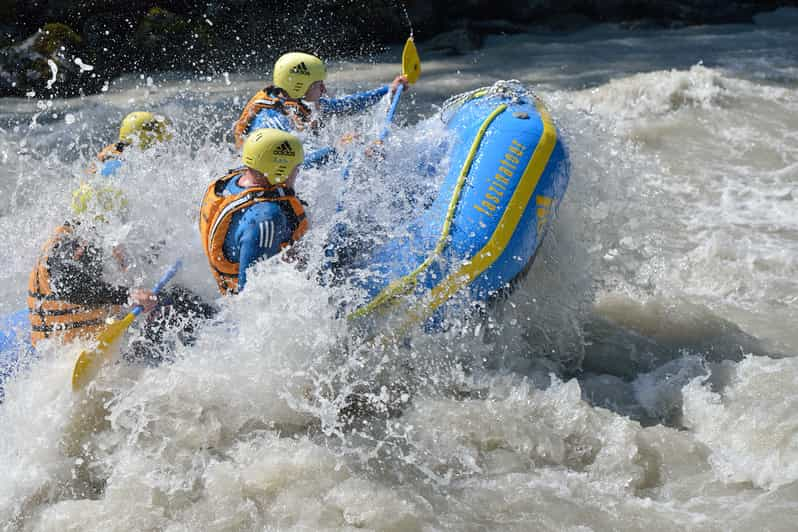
(642,377)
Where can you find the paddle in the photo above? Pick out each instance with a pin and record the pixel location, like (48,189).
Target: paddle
(411,68)
(89,362)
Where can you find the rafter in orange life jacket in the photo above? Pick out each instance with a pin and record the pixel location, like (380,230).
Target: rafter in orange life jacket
(52,317)
(216,214)
(273,97)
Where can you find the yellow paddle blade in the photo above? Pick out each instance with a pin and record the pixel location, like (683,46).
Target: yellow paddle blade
(89,362)
(411,63)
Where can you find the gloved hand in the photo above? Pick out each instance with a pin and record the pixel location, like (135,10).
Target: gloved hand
(144,297)
(400,79)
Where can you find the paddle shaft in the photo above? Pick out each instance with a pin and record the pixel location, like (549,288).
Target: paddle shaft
(317,156)
(388,119)
(391,112)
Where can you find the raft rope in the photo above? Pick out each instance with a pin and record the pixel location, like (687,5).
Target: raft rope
(408,282)
(512,90)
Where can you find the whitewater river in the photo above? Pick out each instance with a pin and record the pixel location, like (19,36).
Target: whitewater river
(642,377)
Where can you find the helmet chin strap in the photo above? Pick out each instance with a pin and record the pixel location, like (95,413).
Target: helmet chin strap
(254,177)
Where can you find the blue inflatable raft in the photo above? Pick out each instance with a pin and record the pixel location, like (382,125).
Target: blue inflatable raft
(508,173)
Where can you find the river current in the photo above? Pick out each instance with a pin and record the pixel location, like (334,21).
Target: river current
(643,376)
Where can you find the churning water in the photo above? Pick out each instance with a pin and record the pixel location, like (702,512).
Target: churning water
(642,377)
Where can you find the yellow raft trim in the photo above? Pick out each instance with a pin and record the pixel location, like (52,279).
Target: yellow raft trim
(504,230)
(408,282)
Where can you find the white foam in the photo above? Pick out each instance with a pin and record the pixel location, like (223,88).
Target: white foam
(751,425)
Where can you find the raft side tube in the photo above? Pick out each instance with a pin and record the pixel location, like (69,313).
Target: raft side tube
(508,174)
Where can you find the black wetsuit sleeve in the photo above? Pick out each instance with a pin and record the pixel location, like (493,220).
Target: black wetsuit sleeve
(79,280)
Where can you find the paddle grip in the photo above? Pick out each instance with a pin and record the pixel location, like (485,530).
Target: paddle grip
(165,278)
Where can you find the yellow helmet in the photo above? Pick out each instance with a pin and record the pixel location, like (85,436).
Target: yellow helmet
(144,126)
(272,152)
(88,201)
(295,72)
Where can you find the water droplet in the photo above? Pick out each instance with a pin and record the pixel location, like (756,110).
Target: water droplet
(83,66)
(53,71)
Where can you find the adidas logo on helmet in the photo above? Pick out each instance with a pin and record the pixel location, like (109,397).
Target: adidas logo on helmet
(284,149)
(301,68)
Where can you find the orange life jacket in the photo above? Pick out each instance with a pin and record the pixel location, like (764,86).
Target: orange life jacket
(296,110)
(112,151)
(51,317)
(217,212)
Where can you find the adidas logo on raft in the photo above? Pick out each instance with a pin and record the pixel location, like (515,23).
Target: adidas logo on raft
(301,68)
(284,149)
